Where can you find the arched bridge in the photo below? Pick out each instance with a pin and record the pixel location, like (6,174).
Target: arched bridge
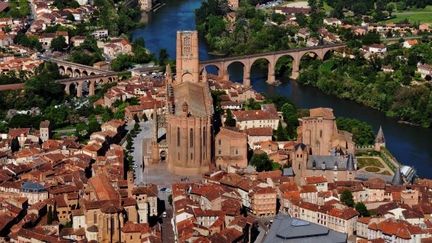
(272,58)
(89,82)
(75,70)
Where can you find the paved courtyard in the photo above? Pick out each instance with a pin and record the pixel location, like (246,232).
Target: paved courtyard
(158,174)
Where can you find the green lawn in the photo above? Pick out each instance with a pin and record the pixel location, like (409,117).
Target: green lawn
(327,8)
(413,15)
(372,169)
(364,162)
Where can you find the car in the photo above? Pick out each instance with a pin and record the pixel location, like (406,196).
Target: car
(163,189)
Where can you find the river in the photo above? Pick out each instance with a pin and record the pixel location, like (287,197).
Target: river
(410,145)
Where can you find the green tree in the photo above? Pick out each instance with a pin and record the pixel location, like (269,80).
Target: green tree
(49,216)
(362,131)
(163,57)
(281,134)
(262,162)
(229,121)
(59,43)
(290,116)
(347,198)
(362,209)
(15,145)
(93,125)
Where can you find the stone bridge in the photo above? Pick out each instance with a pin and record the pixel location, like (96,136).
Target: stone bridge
(87,81)
(75,70)
(272,58)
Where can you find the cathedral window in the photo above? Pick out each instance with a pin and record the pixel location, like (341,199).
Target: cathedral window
(178,136)
(191,137)
(320,133)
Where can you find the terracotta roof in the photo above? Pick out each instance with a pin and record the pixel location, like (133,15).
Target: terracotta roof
(259,131)
(315,179)
(321,112)
(250,115)
(345,214)
(130,227)
(103,188)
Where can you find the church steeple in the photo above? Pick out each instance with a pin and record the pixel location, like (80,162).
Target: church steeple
(168,74)
(380,136)
(379,140)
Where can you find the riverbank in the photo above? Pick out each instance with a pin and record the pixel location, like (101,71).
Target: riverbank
(410,145)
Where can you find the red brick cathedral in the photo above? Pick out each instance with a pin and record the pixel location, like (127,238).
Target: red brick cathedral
(190,110)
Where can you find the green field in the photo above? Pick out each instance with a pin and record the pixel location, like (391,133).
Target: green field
(369,162)
(413,15)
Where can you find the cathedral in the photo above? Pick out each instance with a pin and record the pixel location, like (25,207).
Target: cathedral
(190,111)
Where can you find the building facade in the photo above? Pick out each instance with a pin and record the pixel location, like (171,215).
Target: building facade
(190,110)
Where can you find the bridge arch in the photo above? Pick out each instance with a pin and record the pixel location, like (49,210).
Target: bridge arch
(62,70)
(215,69)
(263,63)
(84,73)
(69,72)
(229,66)
(77,73)
(285,64)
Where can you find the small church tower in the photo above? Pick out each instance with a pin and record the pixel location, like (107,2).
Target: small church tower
(44,130)
(154,143)
(130,182)
(379,140)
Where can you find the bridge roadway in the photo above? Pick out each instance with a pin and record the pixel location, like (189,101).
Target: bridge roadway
(247,61)
(74,65)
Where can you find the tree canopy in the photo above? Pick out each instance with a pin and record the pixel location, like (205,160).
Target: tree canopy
(262,162)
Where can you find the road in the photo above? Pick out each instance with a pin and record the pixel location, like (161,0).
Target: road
(167,229)
(141,148)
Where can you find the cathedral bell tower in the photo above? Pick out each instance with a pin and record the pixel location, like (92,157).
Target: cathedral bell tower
(187,57)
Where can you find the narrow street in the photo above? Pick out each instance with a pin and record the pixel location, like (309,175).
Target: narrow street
(141,148)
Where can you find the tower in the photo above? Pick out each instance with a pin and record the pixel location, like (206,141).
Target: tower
(44,130)
(154,142)
(379,140)
(187,57)
(146,5)
(130,182)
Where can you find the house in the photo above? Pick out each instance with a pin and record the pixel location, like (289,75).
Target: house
(312,42)
(117,47)
(375,49)
(409,43)
(231,148)
(425,71)
(259,134)
(292,11)
(256,118)
(100,34)
(332,22)
(263,201)
(424,27)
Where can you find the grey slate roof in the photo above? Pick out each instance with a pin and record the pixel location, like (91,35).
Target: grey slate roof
(397,178)
(32,187)
(331,162)
(288,172)
(288,229)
